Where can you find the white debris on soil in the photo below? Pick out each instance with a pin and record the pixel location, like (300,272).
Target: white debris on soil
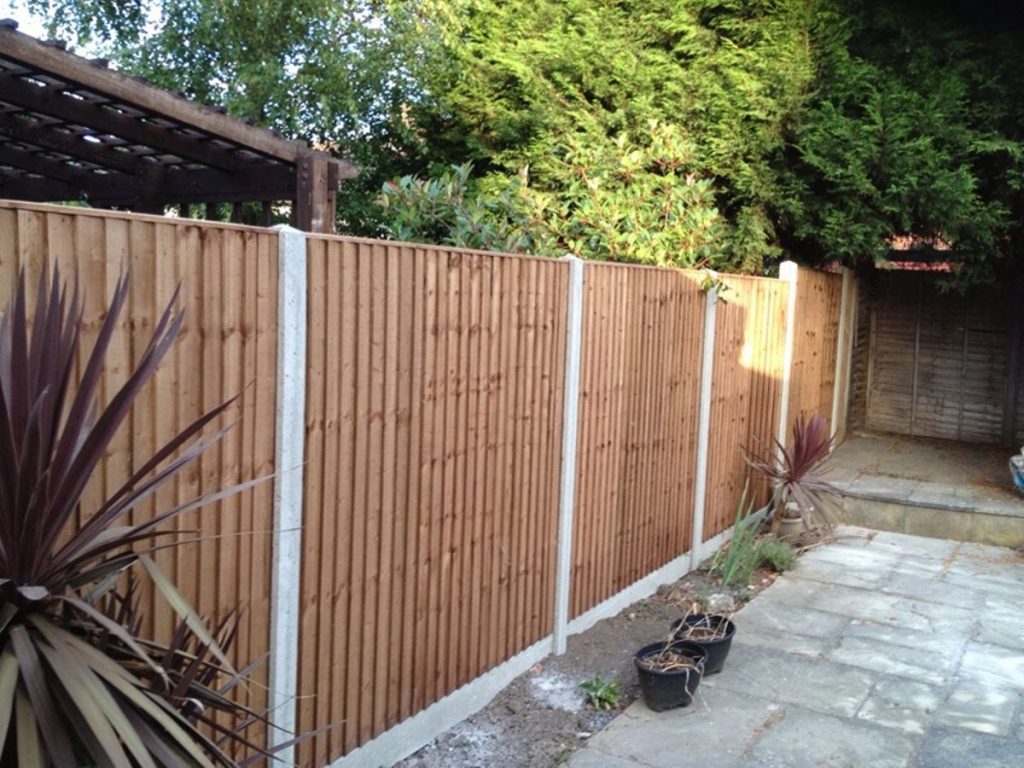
(556,691)
(469,744)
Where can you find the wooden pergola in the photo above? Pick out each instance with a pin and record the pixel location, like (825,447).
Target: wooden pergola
(71,129)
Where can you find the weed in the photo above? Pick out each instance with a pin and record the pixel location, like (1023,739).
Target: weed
(736,563)
(601,694)
(776,554)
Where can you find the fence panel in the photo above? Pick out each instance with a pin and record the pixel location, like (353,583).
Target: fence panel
(639,388)
(227,347)
(816,342)
(746,390)
(434,416)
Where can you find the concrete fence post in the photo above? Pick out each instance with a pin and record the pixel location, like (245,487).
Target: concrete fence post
(570,422)
(840,390)
(289,441)
(787,272)
(707,366)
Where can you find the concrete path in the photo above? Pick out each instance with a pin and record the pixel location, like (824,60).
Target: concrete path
(879,650)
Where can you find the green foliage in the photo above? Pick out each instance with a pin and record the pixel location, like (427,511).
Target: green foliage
(716,133)
(450,209)
(621,202)
(776,554)
(634,201)
(601,694)
(566,92)
(914,129)
(78,685)
(735,563)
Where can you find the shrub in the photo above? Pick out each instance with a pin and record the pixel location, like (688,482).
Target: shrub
(797,477)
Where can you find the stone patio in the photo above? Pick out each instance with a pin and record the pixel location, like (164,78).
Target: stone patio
(929,487)
(879,650)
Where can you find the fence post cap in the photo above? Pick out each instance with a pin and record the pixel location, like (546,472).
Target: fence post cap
(287,229)
(569,257)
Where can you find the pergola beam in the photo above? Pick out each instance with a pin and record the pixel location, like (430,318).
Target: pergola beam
(41,134)
(171,187)
(50,100)
(33,162)
(76,130)
(35,56)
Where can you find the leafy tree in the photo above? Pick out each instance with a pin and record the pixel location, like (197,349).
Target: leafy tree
(814,128)
(337,73)
(914,129)
(531,88)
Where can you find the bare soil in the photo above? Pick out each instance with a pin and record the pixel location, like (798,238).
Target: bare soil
(543,716)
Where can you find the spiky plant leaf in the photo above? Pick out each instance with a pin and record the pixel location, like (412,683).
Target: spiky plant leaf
(797,475)
(78,684)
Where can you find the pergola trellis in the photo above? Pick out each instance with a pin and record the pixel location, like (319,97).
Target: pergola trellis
(73,129)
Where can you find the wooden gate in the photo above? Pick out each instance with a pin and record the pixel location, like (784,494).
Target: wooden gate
(942,364)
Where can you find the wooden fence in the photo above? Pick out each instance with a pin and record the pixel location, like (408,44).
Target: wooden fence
(433,431)
(637,430)
(746,392)
(227,347)
(435,404)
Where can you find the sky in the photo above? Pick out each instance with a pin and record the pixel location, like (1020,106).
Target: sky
(15,9)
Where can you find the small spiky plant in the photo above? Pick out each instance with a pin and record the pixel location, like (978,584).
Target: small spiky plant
(798,474)
(78,685)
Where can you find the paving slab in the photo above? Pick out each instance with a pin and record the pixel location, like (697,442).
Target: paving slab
(790,679)
(714,732)
(979,707)
(921,546)
(825,571)
(949,748)
(993,665)
(931,588)
(804,739)
(948,646)
(892,659)
(882,650)
(906,705)
(763,616)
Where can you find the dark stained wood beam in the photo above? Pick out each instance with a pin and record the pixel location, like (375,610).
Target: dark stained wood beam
(312,194)
(33,162)
(49,137)
(52,101)
(155,191)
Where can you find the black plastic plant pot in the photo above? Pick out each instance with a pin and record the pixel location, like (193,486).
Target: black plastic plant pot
(717,649)
(670,688)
